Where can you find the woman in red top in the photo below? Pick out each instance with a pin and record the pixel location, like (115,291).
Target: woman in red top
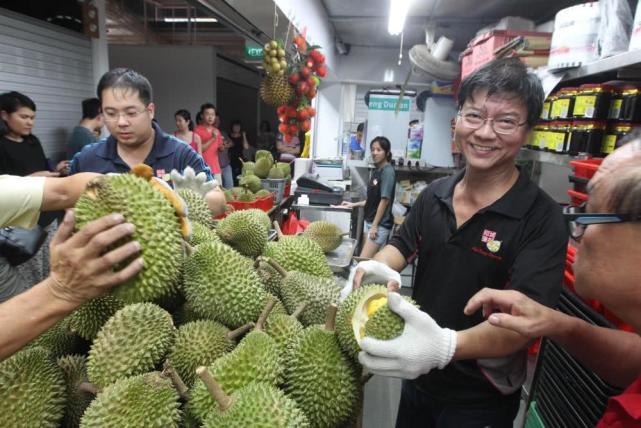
(185,132)
(210,138)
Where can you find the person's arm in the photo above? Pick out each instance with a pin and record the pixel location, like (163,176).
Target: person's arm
(245,142)
(612,354)
(353,204)
(380,210)
(199,144)
(62,193)
(81,269)
(216,201)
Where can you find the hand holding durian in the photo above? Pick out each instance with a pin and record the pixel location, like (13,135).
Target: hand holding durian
(421,347)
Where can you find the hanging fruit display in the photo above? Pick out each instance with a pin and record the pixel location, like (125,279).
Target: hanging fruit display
(292,86)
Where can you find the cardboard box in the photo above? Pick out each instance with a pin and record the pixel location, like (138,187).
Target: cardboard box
(483,46)
(467,63)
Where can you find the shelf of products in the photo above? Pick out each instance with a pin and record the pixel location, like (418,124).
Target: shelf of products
(630,59)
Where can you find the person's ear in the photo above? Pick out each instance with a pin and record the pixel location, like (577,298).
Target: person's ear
(151,108)
(4,115)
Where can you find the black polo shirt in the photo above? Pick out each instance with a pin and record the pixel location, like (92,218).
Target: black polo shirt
(167,153)
(518,242)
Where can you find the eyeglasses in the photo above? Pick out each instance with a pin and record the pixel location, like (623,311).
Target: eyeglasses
(501,125)
(112,116)
(578,220)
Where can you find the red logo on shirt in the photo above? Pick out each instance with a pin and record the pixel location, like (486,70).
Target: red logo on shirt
(488,235)
(160,173)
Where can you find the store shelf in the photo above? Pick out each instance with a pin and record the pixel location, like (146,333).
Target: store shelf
(614,63)
(544,157)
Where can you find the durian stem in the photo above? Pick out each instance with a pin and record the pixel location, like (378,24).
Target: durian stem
(240,330)
(273,263)
(168,370)
(88,387)
(189,250)
(330,318)
(278,230)
(260,324)
(366,377)
(223,400)
(299,310)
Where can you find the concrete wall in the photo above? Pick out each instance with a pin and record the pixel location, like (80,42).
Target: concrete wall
(328,122)
(181,76)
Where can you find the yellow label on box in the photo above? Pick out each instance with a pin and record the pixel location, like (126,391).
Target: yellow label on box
(584,105)
(560,108)
(545,113)
(609,141)
(615,109)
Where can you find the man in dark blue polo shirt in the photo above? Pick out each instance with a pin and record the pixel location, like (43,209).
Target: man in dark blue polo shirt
(488,226)
(126,98)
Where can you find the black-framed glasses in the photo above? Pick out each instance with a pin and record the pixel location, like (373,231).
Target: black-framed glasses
(578,219)
(500,125)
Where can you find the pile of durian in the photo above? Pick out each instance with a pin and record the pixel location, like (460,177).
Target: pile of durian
(227,330)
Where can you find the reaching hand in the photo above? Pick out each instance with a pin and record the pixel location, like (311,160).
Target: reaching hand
(82,264)
(190,180)
(518,312)
(373,232)
(371,272)
(421,347)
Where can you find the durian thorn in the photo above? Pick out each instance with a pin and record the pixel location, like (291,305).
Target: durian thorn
(299,310)
(330,317)
(366,377)
(233,334)
(223,400)
(260,324)
(168,370)
(273,263)
(278,230)
(88,387)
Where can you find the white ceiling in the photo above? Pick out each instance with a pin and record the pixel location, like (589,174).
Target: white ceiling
(364,22)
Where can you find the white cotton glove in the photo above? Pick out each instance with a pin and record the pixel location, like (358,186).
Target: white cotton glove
(375,272)
(190,180)
(421,347)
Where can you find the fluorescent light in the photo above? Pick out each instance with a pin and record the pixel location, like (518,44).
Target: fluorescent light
(190,19)
(397,14)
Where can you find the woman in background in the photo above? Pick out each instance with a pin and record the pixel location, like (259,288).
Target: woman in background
(380,197)
(185,131)
(20,151)
(240,148)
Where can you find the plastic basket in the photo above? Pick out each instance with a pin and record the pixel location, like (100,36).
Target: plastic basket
(243,205)
(265,203)
(533,418)
(585,168)
(288,189)
(276,186)
(578,198)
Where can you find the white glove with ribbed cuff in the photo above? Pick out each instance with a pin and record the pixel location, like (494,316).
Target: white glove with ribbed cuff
(421,347)
(190,180)
(375,272)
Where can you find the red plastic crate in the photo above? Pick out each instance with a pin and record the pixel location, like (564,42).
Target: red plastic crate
(265,203)
(578,198)
(243,205)
(586,168)
(288,189)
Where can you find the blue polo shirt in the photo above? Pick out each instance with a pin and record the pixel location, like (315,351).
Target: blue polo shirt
(167,153)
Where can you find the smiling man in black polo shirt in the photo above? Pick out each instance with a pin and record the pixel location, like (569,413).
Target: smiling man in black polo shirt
(488,226)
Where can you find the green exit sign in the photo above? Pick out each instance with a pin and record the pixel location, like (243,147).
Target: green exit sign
(253,52)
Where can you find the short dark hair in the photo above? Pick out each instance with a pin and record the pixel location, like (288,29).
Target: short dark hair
(413,122)
(360,127)
(90,108)
(187,116)
(126,78)
(265,126)
(385,145)
(10,102)
(199,118)
(235,122)
(207,106)
(506,76)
